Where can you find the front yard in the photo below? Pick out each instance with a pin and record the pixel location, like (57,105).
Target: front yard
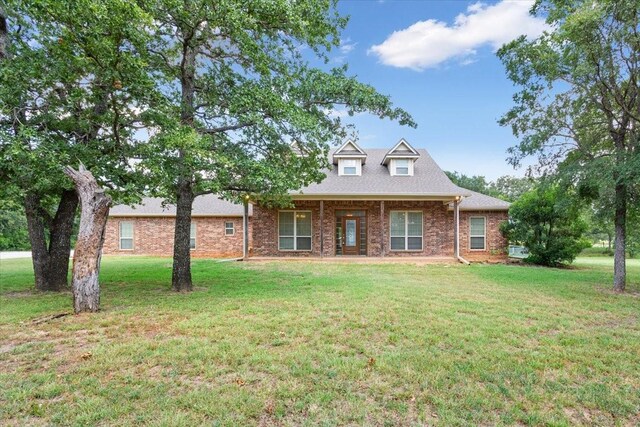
(297,343)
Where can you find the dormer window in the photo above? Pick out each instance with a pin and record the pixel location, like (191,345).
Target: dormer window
(401,159)
(402,167)
(349,166)
(349,158)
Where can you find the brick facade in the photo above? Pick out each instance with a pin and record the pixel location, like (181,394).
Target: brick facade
(438,230)
(496,246)
(154,236)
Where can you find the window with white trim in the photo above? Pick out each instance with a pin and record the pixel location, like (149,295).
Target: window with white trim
(406,230)
(294,230)
(192,235)
(126,235)
(349,167)
(401,166)
(477,233)
(229,229)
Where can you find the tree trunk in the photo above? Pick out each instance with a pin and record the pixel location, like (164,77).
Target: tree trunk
(86,260)
(619,262)
(51,260)
(181,279)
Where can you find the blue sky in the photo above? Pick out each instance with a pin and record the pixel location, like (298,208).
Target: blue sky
(436,59)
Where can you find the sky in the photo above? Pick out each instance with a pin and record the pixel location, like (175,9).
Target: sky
(437,60)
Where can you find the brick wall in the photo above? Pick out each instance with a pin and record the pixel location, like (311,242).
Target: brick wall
(154,236)
(496,246)
(438,233)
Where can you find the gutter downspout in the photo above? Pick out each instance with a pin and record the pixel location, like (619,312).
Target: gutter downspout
(456,232)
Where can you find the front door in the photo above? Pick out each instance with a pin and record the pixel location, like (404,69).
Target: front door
(350,235)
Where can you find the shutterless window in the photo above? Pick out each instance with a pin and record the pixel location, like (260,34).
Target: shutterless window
(349,167)
(126,235)
(477,232)
(192,236)
(229,230)
(402,167)
(406,231)
(294,230)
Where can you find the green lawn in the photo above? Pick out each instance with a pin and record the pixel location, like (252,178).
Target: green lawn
(297,343)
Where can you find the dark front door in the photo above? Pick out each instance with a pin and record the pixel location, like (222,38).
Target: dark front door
(351,235)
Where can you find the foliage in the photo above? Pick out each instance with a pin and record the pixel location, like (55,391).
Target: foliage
(579,99)
(13,227)
(297,343)
(70,94)
(506,187)
(548,223)
(237,90)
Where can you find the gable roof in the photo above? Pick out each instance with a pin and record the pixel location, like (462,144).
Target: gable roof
(428,181)
(207,205)
(349,150)
(402,150)
(482,202)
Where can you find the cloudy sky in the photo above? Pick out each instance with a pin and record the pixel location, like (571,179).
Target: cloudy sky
(437,60)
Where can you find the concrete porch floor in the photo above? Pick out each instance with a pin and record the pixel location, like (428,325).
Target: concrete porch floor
(424,260)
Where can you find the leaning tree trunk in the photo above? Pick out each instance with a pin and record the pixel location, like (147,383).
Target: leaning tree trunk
(620,223)
(50,260)
(86,259)
(181,279)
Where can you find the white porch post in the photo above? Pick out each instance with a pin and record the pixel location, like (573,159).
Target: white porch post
(456,228)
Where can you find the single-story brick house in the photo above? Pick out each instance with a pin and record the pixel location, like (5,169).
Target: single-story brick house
(376,203)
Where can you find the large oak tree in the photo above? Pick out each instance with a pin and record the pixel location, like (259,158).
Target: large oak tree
(238,90)
(578,104)
(72,86)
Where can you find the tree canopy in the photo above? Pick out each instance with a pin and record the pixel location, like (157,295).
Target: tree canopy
(578,104)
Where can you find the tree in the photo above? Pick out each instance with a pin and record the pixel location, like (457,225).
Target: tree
(71,89)
(93,220)
(506,187)
(579,101)
(476,183)
(13,227)
(237,92)
(511,188)
(549,225)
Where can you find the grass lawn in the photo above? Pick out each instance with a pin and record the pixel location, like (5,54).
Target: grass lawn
(297,343)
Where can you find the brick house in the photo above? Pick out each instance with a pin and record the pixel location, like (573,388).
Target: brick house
(376,203)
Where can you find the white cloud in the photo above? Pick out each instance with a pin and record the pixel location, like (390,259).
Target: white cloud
(429,43)
(346,46)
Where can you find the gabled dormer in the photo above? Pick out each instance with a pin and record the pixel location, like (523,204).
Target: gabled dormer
(400,159)
(349,158)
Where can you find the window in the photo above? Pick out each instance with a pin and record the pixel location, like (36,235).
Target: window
(349,167)
(406,231)
(402,167)
(294,230)
(192,236)
(126,235)
(477,233)
(229,229)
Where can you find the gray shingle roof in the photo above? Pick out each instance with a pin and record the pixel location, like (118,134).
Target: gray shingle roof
(482,202)
(428,180)
(207,205)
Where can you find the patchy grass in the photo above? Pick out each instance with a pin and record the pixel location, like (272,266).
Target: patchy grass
(331,344)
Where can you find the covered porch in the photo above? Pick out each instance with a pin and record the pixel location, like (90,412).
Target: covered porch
(363,227)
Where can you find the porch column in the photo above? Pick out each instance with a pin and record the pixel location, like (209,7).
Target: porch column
(321,228)
(382,228)
(245,227)
(456,228)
